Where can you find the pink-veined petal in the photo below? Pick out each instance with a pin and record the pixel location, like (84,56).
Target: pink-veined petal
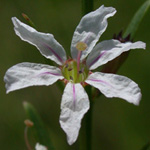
(30,74)
(90,28)
(112,85)
(45,42)
(74,104)
(108,50)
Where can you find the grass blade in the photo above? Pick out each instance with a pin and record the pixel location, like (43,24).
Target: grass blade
(136,20)
(39,129)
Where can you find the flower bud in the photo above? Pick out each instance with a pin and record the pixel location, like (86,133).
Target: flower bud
(28,123)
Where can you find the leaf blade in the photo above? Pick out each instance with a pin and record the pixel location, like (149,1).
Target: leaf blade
(136,20)
(38,127)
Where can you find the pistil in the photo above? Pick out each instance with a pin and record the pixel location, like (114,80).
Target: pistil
(74,71)
(81,46)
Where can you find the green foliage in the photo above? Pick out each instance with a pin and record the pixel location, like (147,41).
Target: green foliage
(146,147)
(87,6)
(136,20)
(39,129)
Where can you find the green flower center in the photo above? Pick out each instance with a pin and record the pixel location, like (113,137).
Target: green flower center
(74,73)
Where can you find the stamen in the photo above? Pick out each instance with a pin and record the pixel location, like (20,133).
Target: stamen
(66,65)
(71,77)
(75,73)
(80,72)
(81,46)
(70,69)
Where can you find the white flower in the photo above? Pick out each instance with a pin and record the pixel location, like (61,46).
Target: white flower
(40,147)
(75,101)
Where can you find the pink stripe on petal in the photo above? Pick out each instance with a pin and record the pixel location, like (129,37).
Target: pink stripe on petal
(74,96)
(97,58)
(59,58)
(101,81)
(46,73)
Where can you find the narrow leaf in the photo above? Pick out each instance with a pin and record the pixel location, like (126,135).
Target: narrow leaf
(136,20)
(39,128)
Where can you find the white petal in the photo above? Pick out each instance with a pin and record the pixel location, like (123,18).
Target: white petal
(45,42)
(108,50)
(75,103)
(90,29)
(112,85)
(30,74)
(40,147)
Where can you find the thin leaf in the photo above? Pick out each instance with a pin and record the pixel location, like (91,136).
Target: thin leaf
(39,128)
(136,20)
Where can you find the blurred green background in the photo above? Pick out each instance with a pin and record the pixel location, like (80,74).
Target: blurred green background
(117,125)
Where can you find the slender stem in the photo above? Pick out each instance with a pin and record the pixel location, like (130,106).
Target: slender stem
(89,120)
(26,138)
(86,130)
(87,6)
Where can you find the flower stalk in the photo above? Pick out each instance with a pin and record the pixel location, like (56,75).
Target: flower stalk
(26,138)
(28,124)
(87,6)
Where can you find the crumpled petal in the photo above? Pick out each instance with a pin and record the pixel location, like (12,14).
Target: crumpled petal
(30,74)
(90,28)
(44,42)
(108,50)
(40,147)
(112,85)
(75,103)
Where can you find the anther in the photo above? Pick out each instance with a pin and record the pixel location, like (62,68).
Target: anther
(80,71)
(66,65)
(28,123)
(71,77)
(81,46)
(70,69)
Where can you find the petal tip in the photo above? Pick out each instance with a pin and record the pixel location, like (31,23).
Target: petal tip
(141,45)
(144,45)
(137,102)
(14,20)
(7,91)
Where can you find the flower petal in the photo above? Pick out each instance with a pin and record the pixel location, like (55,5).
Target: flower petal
(75,103)
(40,147)
(90,28)
(30,74)
(112,85)
(108,50)
(44,42)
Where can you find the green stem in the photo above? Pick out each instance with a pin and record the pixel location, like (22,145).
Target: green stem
(89,121)
(87,6)
(86,129)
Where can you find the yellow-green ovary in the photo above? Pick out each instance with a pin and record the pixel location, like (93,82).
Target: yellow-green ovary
(71,73)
